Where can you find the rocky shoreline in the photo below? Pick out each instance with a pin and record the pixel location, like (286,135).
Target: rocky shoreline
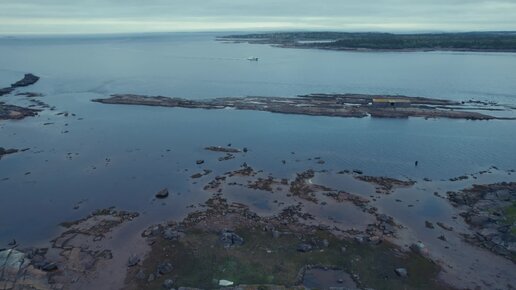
(72,260)
(331,105)
(28,79)
(12,112)
(491,211)
(223,243)
(228,243)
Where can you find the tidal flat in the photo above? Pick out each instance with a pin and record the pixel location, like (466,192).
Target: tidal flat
(254,194)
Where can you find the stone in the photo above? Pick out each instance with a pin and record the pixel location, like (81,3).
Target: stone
(230,239)
(171,234)
(164,268)
(444,226)
(429,225)
(402,272)
(478,220)
(388,229)
(418,247)
(12,262)
(199,162)
(304,247)
(49,267)
(168,284)
(162,193)
(359,239)
(133,260)
(225,283)
(141,275)
(105,254)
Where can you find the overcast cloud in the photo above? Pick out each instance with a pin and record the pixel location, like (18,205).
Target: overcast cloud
(120,16)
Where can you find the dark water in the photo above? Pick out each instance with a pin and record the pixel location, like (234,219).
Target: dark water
(120,156)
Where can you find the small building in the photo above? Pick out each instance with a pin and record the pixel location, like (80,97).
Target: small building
(391,102)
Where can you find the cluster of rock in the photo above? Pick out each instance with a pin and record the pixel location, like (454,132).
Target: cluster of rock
(304,189)
(4,151)
(11,112)
(385,184)
(487,209)
(74,255)
(28,79)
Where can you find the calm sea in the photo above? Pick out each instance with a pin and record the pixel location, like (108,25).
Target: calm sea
(108,155)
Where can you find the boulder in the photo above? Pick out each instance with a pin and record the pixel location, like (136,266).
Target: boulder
(168,284)
(304,247)
(133,261)
(230,239)
(164,268)
(162,193)
(402,272)
(171,234)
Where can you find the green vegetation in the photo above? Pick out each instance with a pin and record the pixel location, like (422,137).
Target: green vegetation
(200,261)
(475,41)
(510,215)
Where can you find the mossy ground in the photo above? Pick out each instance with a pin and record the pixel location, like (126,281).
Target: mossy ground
(510,215)
(200,260)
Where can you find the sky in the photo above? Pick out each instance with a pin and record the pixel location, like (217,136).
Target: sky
(130,16)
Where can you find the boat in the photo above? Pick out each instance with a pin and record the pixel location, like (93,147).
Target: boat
(252,58)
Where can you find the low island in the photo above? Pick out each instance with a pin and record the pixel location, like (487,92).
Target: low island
(331,105)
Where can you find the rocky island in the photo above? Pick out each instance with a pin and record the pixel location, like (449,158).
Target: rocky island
(28,79)
(331,105)
(12,112)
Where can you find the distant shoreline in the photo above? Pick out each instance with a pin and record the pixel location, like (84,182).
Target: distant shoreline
(383,42)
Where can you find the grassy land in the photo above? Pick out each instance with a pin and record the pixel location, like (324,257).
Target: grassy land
(476,41)
(510,215)
(200,261)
